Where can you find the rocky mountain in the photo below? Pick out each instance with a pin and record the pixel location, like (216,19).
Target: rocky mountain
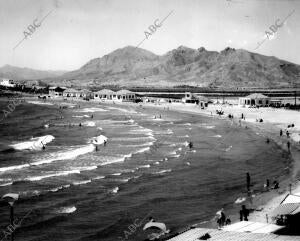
(17,73)
(130,66)
(229,68)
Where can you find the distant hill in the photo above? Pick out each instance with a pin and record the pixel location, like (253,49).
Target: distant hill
(230,68)
(17,73)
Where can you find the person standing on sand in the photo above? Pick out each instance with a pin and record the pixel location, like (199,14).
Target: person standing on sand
(287,134)
(244,213)
(248,181)
(280,133)
(288,146)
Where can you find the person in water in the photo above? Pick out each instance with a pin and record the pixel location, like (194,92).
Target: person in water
(104,143)
(248,181)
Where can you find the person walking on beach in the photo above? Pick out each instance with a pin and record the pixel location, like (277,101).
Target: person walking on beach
(280,133)
(287,134)
(248,181)
(221,218)
(244,213)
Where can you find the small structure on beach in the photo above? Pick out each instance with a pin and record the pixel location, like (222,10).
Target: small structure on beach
(7,83)
(222,235)
(71,93)
(195,99)
(56,91)
(288,213)
(255,99)
(126,95)
(86,94)
(105,94)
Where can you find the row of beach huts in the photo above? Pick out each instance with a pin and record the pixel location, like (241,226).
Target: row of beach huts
(104,94)
(124,95)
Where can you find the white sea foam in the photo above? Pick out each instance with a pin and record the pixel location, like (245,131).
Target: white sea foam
(98,177)
(163,171)
(81,116)
(76,183)
(144,166)
(6,184)
(70,209)
(228,148)
(142,150)
(35,143)
(217,136)
(89,123)
(115,190)
(65,155)
(38,178)
(38,102)
(116,174)
(4,169)
(240,200)
(92,109)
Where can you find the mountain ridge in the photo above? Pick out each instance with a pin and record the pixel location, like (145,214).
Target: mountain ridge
(229,68)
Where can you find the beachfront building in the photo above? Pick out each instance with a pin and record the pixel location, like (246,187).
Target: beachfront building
(126,95)
(105,94)
(56,91)
(71,93)
(288,213)
(7,83)
(255,99)
(195,99)
(85,94)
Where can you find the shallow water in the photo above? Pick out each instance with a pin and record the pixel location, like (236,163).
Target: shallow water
(75,192)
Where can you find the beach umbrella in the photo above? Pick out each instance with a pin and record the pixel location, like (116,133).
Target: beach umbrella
(11,198)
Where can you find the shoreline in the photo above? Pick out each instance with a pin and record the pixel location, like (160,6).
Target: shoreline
(263,202)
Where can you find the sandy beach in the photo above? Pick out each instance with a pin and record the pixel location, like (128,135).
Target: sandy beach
(274,120)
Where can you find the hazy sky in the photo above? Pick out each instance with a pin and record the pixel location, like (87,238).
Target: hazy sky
(79,30)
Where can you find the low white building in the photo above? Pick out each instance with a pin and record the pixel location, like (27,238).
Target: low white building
(121,95)
(56,91)
(195,99)
(7,83)
(255,99)
(105,94)
(126,95)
